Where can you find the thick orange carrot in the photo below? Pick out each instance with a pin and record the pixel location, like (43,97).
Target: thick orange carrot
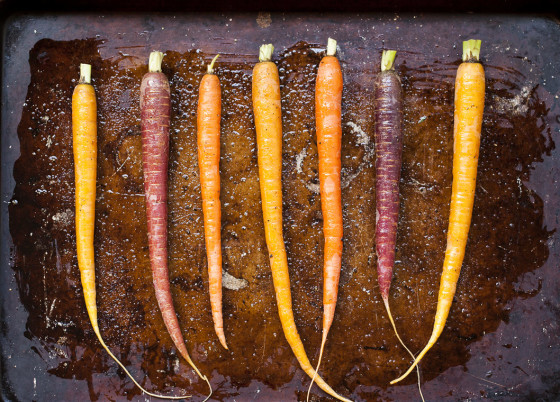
(84,131)
(208,133)
(268,124)
(155,106)
(469,107)
(328,115)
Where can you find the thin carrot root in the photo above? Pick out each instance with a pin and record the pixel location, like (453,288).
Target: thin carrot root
(323,341)
(187,357)
(431,343)
(130,375)
(386,302)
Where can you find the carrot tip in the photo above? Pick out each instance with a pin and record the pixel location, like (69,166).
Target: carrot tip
(265,52)
(387,59)
(85,73)
(223,341)
(331,47)
(471,50)
(154,65)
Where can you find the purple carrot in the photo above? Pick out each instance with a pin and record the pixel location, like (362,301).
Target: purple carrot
(388,160)
(155,106)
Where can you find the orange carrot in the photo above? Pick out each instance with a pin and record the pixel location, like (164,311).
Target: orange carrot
(208,133)
(268,124)
(469,107)
(84,131)
(328,115)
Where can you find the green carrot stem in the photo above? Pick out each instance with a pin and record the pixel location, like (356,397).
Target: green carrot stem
(387,59)
(211,65)
(471,50)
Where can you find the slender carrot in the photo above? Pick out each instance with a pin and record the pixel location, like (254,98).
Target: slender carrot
(388,160)
(469,107)
(268,124)
(328,115)
(208,130)
(155,105)
(388,117)
(84,132)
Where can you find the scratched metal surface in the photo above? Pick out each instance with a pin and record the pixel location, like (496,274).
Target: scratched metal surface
(501,340)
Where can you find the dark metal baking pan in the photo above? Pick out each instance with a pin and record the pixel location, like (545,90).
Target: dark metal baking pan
(501,340)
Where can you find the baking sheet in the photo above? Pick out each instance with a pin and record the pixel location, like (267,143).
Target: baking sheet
(501,337)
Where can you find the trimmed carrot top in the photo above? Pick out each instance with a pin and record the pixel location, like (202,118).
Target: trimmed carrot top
(387,60)
(471,50)
(85,74)
(265,52)
(154,64)
(331,47)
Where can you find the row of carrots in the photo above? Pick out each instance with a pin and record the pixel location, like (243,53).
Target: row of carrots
(388,132)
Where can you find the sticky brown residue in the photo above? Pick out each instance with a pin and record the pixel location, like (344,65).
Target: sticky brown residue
(509,237)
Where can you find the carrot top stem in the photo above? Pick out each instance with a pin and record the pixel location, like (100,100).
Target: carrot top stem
(265,52)
(85,73)
(471,50)
(387,59)
(210,69)
(331,47)
(154,65)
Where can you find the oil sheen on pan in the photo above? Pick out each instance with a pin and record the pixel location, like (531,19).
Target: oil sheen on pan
(501,337)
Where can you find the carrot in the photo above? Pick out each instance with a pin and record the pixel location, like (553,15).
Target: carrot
(469,107)
(388,117)
(155,106)
(328,115)
(268,125)
(208,130)
(84,133)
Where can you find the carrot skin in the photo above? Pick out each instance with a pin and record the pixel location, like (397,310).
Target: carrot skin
(388,159)
(208,138)
(328,112)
